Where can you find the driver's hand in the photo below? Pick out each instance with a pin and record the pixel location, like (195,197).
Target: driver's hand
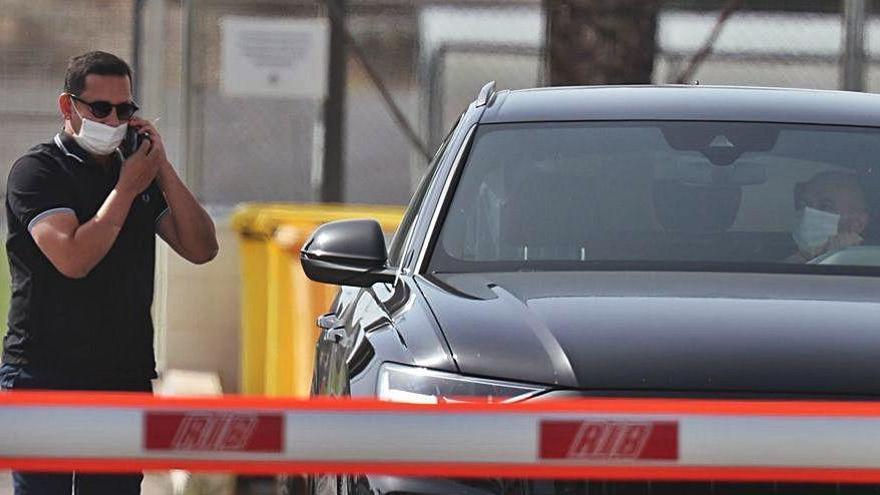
(842,241)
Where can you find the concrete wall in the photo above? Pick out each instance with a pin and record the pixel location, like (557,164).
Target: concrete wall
(200,327)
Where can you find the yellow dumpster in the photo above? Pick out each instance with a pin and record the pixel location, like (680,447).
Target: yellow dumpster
(279,305)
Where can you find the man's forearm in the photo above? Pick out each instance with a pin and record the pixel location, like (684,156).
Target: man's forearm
(192,224)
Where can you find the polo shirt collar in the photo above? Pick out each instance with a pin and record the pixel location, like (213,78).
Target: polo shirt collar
(71,149)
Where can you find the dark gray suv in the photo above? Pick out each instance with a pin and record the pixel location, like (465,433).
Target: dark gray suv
(681,241)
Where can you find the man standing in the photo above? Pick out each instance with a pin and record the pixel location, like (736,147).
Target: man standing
(82,221)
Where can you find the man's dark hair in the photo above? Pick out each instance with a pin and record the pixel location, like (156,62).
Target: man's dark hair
(100,63)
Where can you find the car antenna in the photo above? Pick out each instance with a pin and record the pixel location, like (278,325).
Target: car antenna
(485,94)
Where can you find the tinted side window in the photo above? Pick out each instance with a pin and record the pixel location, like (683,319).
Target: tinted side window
(396,251)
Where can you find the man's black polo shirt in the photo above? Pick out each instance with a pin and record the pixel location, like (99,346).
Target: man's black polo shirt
(98,324)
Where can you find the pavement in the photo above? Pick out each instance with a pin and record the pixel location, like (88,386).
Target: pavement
(154,484)
(160,483)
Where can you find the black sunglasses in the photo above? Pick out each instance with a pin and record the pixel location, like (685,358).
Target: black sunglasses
(101,109)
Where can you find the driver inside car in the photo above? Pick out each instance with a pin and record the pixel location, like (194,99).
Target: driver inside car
(832,214)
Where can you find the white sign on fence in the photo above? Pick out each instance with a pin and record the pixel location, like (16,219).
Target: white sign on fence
(273,57)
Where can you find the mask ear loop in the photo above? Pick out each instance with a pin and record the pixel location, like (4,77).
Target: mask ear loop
(73,105)
(81,118)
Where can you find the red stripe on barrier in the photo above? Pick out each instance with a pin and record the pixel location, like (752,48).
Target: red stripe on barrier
(611,473)
(206,431)
(609,440)
(791,408)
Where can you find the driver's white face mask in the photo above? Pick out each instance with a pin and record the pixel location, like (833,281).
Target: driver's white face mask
(98,138)
(813,228)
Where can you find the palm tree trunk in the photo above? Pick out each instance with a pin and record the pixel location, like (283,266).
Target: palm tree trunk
(601,41)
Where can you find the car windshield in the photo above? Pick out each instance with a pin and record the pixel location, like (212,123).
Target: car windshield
(665,195)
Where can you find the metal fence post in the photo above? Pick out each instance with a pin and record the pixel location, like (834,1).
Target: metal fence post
(149,76)
(853,45)
(151,43)
(333,170)
(137,39)
(189,149)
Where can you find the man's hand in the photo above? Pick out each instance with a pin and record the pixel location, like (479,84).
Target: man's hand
(144,126)
(842,241)
(188,228)
(138,170)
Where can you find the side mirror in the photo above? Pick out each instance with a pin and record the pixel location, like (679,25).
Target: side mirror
(347,252)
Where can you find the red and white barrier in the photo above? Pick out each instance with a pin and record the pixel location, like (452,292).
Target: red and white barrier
(598,439)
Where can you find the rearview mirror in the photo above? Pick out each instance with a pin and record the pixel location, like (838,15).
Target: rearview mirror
(347,252)
(722,143)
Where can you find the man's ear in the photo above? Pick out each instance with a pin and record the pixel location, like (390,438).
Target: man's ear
(65,105)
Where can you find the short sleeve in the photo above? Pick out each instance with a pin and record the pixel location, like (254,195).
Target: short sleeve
(37,189)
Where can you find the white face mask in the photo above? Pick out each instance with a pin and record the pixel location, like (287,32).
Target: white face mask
(98,138)
(813,228)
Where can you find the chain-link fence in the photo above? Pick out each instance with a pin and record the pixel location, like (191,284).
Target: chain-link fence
(242,148)
(465,47)
(431,56)
(461,48)
(37,37)
(791,49)
(270,149)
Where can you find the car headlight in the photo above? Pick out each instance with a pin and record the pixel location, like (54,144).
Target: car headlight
(398,383)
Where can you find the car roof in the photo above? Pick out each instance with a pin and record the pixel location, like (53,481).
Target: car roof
(680,102)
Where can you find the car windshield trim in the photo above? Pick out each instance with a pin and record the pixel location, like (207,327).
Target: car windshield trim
(439,212)
(656,266)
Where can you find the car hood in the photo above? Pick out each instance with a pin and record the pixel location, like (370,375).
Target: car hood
(664,331)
